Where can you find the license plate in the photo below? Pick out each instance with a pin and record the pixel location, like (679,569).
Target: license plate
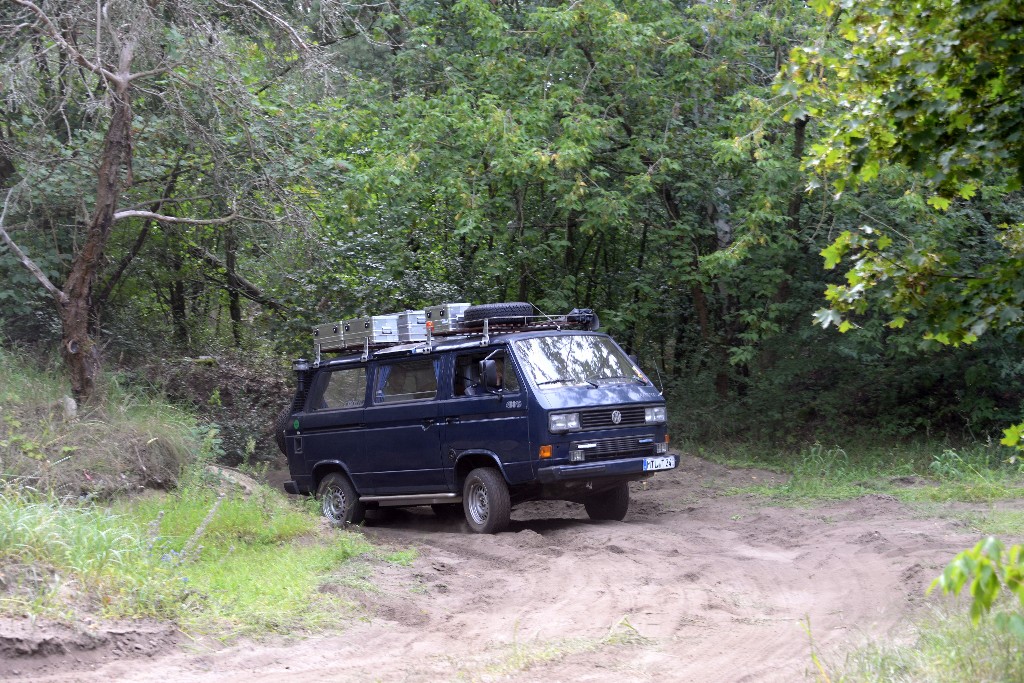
(666,463)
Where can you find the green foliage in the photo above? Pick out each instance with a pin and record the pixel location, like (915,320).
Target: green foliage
(1013,437)
(944,648)
(936,86)
(628,156)
(988,569)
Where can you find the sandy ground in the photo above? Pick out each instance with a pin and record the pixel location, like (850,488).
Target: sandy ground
(695,585)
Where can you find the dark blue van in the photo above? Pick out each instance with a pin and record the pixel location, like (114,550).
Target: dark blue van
(486,419)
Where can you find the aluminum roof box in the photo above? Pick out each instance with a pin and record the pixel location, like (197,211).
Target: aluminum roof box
(446,317)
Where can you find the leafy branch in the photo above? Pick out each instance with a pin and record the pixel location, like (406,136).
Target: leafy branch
(987,569)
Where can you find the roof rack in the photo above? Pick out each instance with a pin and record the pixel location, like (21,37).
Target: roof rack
(419,328)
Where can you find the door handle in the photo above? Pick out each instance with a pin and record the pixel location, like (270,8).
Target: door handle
(451,420)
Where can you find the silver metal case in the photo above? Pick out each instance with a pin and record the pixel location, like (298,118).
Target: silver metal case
(412,326)
(378,329)
(329,336)
(446,317)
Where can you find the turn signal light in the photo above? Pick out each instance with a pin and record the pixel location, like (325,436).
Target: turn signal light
(545,451)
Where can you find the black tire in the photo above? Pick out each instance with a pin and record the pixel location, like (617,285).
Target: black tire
(486,501)
(281,424)
(609,505)
(339,501)
(498,314)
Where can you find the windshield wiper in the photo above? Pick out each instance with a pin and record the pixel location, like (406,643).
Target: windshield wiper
(634,378)
(565,379)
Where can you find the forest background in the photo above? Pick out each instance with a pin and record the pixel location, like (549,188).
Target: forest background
(203,178)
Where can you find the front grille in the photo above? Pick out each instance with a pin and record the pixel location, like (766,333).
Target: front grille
(601,418)
(609,449)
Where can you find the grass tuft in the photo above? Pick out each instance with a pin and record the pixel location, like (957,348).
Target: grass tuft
(946,649)
(917,472)
(124,441)
(257,566)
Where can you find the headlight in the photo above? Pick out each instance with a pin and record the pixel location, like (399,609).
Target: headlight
(654,416)
(563,422)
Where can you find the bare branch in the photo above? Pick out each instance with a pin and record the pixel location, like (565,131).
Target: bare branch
(242,285)
(60,296)
(76,54)
(296,38)
(121,215)
(151,72)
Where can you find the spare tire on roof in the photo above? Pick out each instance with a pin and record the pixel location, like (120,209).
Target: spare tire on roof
(505,313)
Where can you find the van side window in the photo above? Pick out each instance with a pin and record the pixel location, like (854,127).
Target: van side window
(346,388)
(410,381)
(467,374)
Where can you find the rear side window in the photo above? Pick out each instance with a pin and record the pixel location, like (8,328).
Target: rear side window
(346,388)
(409,381)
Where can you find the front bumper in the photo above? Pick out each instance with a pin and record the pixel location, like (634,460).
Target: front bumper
(626,467)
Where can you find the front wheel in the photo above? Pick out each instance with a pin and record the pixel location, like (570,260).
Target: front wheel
(339,501)
(611,504)
(486,501)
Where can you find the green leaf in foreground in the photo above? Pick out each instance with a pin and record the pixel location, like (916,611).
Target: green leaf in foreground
(987,569)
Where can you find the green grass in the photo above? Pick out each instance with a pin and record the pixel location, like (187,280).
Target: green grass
(123,441)
(917,472)
(211,557)
(255,568)
(403,558)
(945,648)
(1006,523)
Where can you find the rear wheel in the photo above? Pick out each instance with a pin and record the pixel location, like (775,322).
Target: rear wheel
(611,504)
(339,501)
(486,501)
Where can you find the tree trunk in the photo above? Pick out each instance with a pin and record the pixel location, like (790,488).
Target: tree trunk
(234,298)
(78,349)
(179,312)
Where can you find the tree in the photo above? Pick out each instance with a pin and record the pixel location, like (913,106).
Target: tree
(569,155)
(937,87)
(137,94)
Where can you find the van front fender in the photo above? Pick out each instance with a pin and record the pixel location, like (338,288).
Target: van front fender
(470,459)
(324,467)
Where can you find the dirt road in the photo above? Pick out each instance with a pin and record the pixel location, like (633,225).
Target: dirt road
(694,585)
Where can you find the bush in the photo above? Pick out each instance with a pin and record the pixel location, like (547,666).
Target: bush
(123,442)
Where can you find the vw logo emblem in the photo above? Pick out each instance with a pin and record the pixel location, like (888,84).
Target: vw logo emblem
(616,417)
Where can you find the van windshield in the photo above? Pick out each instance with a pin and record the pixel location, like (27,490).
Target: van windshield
(576,359)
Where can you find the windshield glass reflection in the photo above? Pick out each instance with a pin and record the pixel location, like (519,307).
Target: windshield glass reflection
(576,360)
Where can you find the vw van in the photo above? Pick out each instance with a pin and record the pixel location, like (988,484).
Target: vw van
(473,417)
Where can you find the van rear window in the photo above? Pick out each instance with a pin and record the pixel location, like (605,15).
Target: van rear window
(409,381)
(346,388)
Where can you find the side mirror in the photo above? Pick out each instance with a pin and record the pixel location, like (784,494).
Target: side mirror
(489,374)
